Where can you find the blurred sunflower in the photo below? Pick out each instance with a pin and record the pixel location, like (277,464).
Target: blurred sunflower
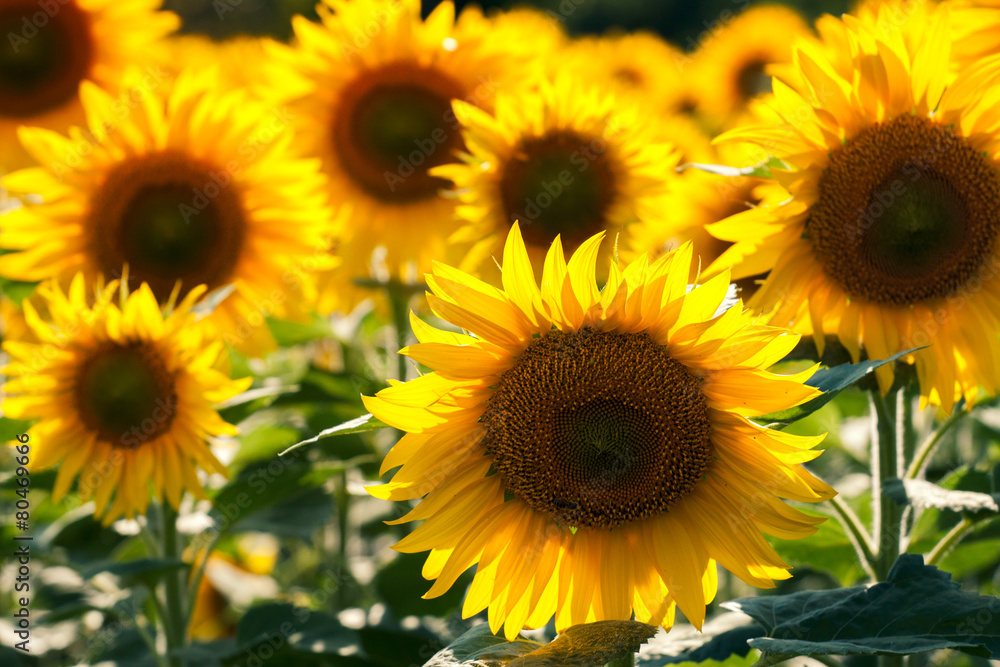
(637,64)
(196,186)
(123,395)
(591,450)
(889,237)
(732,60)
(49,49)
(239,59)
(563,159)
(371,90)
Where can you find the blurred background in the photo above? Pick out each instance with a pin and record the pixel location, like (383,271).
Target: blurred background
(679,21)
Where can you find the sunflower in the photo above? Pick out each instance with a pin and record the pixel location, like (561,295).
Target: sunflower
(123,394)
(195,186)
(591,450)
(371,89)
(638,64)
(977,30)
(49,48)
(733,58)
(889,236)
(564,159)
(239,59)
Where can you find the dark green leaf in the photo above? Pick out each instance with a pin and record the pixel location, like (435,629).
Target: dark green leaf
(10,657)
(831,381)
(359,425)
(393,647)
(299,629)
(400,586)
(145,570)
(480,644)
(918,608)
(922,495)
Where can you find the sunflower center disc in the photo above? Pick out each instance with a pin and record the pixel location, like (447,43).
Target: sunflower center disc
(598,429)
(558,184)
(907,211)
(42,62)
(170,218)
(126,395)
(753,80)
(392,126)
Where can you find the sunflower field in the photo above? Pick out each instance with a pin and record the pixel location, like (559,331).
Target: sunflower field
(578,333)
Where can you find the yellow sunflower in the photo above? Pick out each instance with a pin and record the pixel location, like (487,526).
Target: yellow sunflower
(50,47)
(122,393)
(637,64)
(889,236)
(239,59)
(197,186)
(731,59)
(371,89)
(564,159)
(590,451)
(977,30)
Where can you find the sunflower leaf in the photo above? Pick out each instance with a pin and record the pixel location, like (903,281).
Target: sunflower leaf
(918,608)
(831,381)
(143,570)
(585,645)
(358,425)
(922,495)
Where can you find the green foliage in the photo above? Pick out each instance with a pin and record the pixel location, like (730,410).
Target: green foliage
(918,608)
(589,645)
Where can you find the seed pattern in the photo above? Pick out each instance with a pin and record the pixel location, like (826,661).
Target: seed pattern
(907,211)
(598,429)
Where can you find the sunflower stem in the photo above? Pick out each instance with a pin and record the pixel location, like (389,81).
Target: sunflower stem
(857,533)
(948,542)
(399,299)
(199,574)
(173,587)
(919,462)
(343,508)
(885,465)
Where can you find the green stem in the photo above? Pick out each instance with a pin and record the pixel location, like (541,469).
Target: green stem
(921,458)
(399,299)
(192,591)
(623,662)
(150,643)
(856,531)
(173,586)
(884,463)
(343,508)
(948,542)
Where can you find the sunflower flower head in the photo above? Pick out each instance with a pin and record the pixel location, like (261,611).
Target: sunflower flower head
(122,394)
(192,185)
(590,450)
(888,238)
(563,160)
(371,87)
(49,49)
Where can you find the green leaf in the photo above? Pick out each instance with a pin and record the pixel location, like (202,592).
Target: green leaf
(831,381)
(11,428)
(142,571)
(922,495)
(293,635)
(918,608)
(288,333)
(360,425)
(401,587)
(717,649)
(480,644)
(586,645)
(761,170)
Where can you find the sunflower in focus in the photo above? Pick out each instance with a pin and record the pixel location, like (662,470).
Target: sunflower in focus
(889,237)
(196,186)
(734,57)
(371,89)
(563,160)
(122,393)
(47,52)
(590,451)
